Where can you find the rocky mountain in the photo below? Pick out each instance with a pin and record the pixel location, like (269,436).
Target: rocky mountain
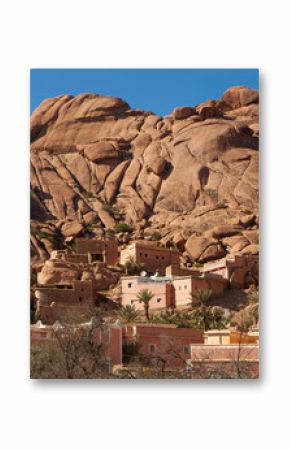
(190,177)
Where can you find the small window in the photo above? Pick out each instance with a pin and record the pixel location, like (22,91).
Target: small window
(80,299)
(140,254)
(146,255)
(152,349)
(162,257)
(179,288)
(185,287)
(132,301)
(157,257)
(186,350)
(158,300)
(129,284)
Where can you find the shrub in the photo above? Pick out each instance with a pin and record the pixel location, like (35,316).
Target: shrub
(72,246)
(110,234)
(198,265)
(108,208)
(123,227)
(156,236)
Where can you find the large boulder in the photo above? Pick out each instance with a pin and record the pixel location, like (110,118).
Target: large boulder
(238,96)
(71,229)
(58,272)
(226,231)
(195,246)
(184,112)
(99,151)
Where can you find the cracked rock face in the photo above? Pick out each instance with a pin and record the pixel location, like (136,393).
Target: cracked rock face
(188,173)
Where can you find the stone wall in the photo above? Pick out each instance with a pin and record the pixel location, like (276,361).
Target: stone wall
(54,302)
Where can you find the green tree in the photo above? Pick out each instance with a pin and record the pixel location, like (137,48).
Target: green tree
(145,296)
(205,315)
(132,267)
(156,236)
(128,314)
(123,227)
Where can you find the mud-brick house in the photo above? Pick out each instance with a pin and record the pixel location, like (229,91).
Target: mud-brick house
(163,340)
(150,255)
(109,337)
(55,301)
(168,291)
(102,250)
(240,269)
(223,352)
(161,287)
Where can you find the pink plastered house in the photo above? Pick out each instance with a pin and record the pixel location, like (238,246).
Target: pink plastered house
(162,289)
(168,291)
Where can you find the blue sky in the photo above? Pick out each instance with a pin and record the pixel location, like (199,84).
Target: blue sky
(156,90)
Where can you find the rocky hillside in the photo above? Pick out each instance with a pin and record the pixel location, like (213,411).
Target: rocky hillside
(191,176)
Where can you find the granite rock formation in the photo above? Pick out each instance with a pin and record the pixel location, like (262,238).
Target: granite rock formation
(191,176)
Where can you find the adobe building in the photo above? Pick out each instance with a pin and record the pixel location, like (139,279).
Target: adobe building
(224,350)
(102,250)
(111,340)
(239,269)
(150,255)
(184,286)
(161,287)
(163,340)
(54,301)
(68,256)
(169,291)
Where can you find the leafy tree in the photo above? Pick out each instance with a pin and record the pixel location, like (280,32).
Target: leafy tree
(123,227)
(132,267)
(199,297)
(156,236)
(128,314)
(207,316)
(145,296)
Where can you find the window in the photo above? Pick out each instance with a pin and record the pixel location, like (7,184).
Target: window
(186,350)
(132,301)
(162,257)
(158,300)
(129,284)
(152,349)
(157,257)
(179,288)
(140,254)
(185,287)
(146,255)
(80,299)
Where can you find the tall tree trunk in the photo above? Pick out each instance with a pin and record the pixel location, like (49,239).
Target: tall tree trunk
(146,306)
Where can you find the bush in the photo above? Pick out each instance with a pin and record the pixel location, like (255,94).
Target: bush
(123,227)
(110,234)
(72,246)
(156,236)
(198,265)
(108,208)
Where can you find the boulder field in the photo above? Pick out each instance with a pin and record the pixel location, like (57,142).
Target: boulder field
(190,176)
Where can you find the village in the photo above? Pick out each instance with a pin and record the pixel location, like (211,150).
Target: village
(161,320)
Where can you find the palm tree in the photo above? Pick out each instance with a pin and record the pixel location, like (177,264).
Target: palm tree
(128,314)
(145,297)
(199,297)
